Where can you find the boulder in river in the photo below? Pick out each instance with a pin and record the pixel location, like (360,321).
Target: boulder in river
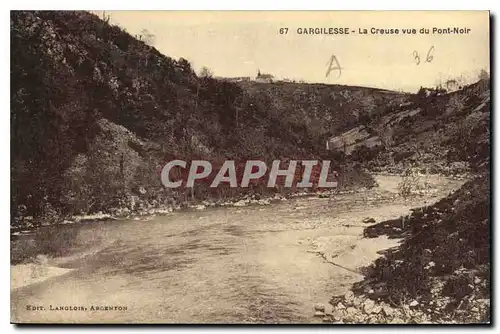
(369,220)
(319,307)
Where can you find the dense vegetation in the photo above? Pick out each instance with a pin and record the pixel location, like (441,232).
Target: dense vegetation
(96,112)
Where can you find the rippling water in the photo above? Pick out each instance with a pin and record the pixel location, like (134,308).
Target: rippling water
(220,265)
(224,265)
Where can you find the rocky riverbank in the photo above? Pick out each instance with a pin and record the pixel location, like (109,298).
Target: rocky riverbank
(137,209)
(439,274)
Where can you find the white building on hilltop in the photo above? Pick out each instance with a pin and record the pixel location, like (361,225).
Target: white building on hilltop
(264,77)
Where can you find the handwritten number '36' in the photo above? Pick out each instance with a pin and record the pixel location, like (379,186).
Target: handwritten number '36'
(428,58)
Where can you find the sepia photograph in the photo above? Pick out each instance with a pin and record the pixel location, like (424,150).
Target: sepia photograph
(250,167)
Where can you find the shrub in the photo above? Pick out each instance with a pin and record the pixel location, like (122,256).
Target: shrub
(409,183)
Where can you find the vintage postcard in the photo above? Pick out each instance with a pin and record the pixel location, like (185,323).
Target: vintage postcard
(246,167)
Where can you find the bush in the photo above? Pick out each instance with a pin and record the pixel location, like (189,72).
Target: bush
(410,182)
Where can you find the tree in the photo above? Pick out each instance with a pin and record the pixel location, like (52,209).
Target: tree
(147,37)
(105,17)
(483,75)
(185,65)
(205,72)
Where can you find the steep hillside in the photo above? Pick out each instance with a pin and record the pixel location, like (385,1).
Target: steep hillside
(441,271)
(327,109)
(445,132)
(96,112)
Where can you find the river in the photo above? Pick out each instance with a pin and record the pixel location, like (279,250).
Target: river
(255,264)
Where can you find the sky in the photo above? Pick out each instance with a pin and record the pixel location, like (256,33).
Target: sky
(239,43)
